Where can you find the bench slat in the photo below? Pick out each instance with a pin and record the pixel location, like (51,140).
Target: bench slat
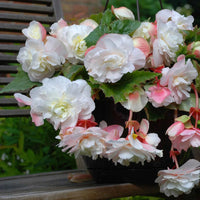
(8,101)
(14,112)
(6,80)
(10,47)
(8,58)
(9,6)
(35,1)
(26,18)
(8,69)
(12,38)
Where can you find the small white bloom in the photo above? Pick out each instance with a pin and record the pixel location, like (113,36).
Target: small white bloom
(89,22)
(40,60)
(73,38)
(167,43)
(113,56)
(61,101)
(174,182)
(57,27)
(182,22)
(178,78)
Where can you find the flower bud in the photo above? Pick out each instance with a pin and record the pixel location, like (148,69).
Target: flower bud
(123,13)
(194,48)
(142,44)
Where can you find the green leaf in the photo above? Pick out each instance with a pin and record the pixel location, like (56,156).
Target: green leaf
(71,71)
(97,17)
(124,26)
(20,83)
(94,36)
(107,17)
(183,118)
(125,86)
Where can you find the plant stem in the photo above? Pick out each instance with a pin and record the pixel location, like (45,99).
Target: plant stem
(106,5)
(161,5)
(138,10)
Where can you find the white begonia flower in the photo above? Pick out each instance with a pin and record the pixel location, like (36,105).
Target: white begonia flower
(182,22)
(136,101)
(174,182)
(178,79)
(40,60)
(113,56)
(167,43)
(35,31)
(123,13)
(61,101)
(73,38)
(89,142)
(145,30)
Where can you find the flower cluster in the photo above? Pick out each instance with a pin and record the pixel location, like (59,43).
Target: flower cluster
(140,65)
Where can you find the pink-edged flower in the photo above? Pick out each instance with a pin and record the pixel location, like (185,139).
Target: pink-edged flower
(113,56)
(178,79)
(137,147)
(61,101)
(174,182)
(186,139)
(123,13)
(35,31)
(159,96)
(39,59)
(89,142)
(136,101)
(182,22)
(114,131)
(57,27)
(167,43)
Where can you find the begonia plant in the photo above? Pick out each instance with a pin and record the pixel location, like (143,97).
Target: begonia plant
(135,63)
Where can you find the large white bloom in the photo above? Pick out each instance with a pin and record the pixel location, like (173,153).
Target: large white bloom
(178,79)
(61,101)
(174,182)
(73,37)
(182,22)
(167,43)
(39,59)
(113,56)
(89,142)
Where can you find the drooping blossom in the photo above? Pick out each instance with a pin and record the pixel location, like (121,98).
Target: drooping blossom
(182,22)
(174,182)
(35,31)
(123,13)
(56,27)
(39,59)
(73,38)
(80,141)
(137,147)
(178,79)
(113,56)
(194,48)
(159,96)
(136,100)
(167,43)
(61,101)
